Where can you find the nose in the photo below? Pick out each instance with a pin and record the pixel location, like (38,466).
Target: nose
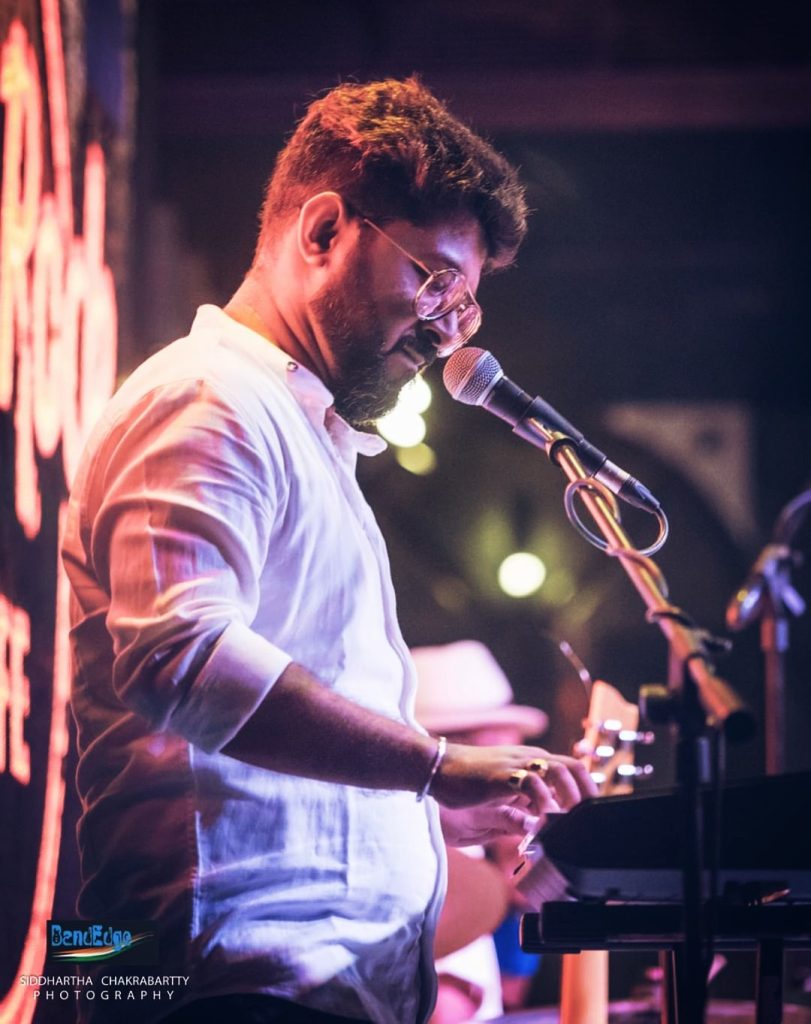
(442,334)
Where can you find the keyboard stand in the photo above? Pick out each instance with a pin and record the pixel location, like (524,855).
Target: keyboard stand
(570,927)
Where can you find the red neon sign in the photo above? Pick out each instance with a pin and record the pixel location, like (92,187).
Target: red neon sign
(15,691)
(58,342)
(57,298)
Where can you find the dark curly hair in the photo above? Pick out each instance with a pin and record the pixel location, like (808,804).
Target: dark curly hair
(393,150)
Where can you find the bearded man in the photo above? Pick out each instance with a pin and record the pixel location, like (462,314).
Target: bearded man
(253,780)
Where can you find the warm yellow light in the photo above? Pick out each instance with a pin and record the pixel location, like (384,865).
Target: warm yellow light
(402,427)
(420,460)
(521,574)
(415,396)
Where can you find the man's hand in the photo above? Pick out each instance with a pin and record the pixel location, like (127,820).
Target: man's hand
(484,823)
(506,784)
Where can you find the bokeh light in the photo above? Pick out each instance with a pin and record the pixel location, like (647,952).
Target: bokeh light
(521,574)
(402,427)
(419,459)
(416,395)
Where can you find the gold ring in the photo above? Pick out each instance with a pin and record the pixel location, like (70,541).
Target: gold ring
(540,766)
(515,779)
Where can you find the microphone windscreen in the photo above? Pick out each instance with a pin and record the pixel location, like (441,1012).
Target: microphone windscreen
(469,374)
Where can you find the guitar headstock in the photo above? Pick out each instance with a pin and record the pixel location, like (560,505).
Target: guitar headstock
(608,748)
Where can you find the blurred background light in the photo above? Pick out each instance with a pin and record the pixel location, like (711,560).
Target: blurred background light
(559,587)
(521,574)
(419,459)
(402,427)
(416,395)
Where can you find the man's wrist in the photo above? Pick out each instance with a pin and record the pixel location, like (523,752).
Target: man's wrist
(439,756)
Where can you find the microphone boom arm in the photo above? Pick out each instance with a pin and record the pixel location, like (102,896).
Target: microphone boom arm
(537,420)
(721,704)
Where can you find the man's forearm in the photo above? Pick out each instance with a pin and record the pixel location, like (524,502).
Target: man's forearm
(304,728)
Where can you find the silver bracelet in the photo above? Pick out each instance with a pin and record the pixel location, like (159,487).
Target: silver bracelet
(441,747)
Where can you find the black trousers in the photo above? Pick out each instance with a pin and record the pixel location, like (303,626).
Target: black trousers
(244,1008)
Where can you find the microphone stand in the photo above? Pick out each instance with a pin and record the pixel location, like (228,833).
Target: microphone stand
(776,601)
(774,642)
(697,700)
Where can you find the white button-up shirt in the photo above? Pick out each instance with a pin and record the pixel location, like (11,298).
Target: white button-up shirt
(217,532)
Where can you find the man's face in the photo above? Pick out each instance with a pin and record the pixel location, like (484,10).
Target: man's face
(366,313)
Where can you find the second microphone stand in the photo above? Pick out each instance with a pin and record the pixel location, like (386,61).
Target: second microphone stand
(768,595)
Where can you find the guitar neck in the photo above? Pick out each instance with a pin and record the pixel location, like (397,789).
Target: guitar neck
(606,749)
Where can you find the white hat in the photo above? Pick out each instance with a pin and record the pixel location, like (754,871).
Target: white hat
(461,686)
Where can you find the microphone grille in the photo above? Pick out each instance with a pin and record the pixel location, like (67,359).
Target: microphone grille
(470,373)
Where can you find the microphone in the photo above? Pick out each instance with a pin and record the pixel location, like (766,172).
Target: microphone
(768,575)
(747,601)
(474,376)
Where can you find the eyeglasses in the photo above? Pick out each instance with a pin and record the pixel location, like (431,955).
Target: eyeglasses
(441,293)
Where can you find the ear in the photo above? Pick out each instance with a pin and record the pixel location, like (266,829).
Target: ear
(322,220)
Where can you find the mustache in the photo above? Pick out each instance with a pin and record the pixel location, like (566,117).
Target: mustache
(419,348)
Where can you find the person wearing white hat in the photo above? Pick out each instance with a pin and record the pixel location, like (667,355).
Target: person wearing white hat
(461,686)
(462,692)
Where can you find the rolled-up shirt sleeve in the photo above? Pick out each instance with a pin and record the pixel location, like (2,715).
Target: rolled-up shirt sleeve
(189,495)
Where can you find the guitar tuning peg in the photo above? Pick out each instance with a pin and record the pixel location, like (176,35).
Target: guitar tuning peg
(634,771)
(634,737)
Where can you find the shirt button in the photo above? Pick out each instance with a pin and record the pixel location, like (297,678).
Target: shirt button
(291,366)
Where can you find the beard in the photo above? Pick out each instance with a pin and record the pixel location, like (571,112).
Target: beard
(362,384)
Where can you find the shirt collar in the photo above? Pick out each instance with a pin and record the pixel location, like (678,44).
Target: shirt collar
(309,391)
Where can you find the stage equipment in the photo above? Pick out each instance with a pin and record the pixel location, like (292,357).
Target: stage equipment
(765,847)
(767,594)
(620,857)
(699,703)
(475,377)
(608,751)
